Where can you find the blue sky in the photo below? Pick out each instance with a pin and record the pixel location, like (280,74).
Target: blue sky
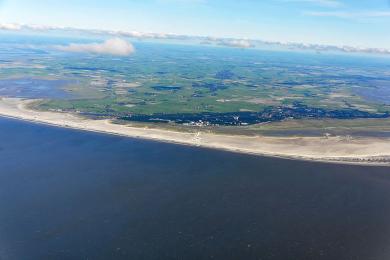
(364,23)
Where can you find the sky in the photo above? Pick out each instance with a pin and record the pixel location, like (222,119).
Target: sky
(359,23)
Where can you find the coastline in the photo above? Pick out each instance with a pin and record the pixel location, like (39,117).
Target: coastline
(363,151)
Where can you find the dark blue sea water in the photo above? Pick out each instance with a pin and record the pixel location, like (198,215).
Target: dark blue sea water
(66,194)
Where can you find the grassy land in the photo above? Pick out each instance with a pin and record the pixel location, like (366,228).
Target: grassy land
(355,128)
(177,79)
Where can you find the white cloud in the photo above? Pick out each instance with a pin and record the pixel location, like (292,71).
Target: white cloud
(117,46)
(32,27)
(114,46)
(326,3)
(10,26)
(237,43)
(141,35)
(351,15)
(182,1)
(326,48)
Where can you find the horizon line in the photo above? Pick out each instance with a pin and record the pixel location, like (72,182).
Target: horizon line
(232,42)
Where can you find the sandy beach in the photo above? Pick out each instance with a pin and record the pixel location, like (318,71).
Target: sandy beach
(371,151)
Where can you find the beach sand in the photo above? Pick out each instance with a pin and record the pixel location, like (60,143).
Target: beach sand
(368,150)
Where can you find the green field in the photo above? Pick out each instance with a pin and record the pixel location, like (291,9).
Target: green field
(161,79)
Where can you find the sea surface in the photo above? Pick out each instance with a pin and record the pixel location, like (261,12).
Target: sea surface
(67,194)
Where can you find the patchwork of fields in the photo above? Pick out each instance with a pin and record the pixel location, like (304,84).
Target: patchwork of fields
(199,85)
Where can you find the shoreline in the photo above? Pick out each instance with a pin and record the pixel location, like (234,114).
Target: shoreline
(363,151)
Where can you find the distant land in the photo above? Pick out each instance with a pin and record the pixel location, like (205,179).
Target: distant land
(302,105)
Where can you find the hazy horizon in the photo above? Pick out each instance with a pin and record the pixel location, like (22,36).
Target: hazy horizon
(362,24)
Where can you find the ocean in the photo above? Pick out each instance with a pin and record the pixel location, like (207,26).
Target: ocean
(68,194)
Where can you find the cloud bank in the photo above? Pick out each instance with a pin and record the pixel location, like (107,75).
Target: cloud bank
(114,46)
(350,15)
(10,27)
(237,43)
(118,46)
(330,48)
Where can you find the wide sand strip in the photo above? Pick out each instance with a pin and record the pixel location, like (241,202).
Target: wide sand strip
(336,149)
